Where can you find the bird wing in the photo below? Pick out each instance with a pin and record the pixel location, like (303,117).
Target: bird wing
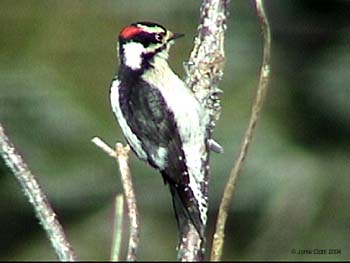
(154,125)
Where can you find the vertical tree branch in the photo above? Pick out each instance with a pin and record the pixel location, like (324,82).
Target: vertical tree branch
(206,63)
(117,228)
(129,192)
(204,72)
(37,198)
(218,240)
(191,247)
(121,154)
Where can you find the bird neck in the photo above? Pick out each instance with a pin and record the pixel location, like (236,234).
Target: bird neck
(151,65)
(136,57)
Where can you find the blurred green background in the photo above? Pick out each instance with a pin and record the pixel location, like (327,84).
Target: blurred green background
(57,59)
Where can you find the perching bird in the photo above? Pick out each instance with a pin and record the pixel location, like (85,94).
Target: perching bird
(162,121)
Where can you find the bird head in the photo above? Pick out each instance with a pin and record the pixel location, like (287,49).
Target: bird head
(141,42)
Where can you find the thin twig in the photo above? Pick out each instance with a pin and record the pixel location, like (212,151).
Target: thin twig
(218,240)
(121,154)
(204,72)
(105,147)
(37,198)
(118,228)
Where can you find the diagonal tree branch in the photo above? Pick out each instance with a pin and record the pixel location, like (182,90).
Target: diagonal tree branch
(121,154)
(37,198)
(218,240)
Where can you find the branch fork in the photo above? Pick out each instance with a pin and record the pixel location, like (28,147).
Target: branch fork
(121,155)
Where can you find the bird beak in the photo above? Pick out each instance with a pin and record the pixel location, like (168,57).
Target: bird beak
(174,36)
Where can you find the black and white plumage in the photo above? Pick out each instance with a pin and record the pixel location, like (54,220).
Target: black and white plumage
(162,121)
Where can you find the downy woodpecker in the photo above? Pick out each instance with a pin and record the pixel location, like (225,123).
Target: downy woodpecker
(162,121)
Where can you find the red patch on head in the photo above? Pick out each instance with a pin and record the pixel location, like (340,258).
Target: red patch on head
(129,32)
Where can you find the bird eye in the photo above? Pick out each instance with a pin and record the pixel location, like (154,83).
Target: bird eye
(159,37)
